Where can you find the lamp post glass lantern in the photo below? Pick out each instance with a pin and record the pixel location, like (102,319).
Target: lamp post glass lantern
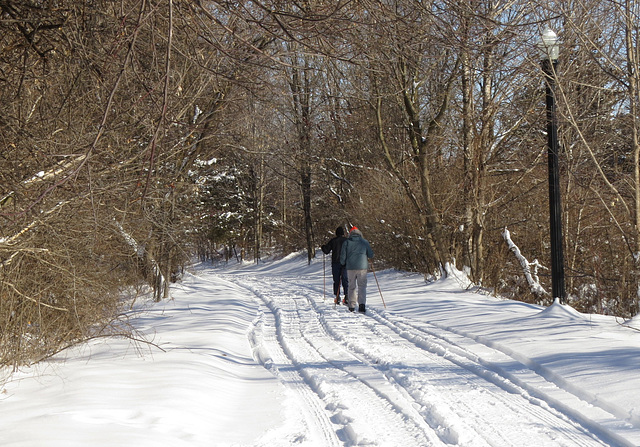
(549,47)
(549,52)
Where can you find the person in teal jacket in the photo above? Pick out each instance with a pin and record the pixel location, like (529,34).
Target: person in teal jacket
(354,255)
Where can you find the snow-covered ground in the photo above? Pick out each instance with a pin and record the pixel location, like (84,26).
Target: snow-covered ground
(247,355)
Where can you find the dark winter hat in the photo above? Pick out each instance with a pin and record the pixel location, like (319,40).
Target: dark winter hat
(339,231)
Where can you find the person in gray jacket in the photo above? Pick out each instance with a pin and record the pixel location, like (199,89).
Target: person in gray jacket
(355,255)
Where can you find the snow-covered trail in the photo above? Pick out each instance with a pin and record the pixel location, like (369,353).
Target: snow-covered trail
(257,355)
(381,379)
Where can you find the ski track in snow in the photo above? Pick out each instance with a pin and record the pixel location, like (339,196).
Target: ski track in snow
(378,378)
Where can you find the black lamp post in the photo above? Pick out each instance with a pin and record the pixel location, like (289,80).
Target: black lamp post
(549,49)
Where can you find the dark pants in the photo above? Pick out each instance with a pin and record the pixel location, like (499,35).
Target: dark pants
(337,271)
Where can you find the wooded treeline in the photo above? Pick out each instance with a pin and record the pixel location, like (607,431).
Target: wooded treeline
(136,134)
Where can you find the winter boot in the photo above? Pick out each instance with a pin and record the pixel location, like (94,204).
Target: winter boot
(336,300)
(344,301)
(361,308)
(351,309)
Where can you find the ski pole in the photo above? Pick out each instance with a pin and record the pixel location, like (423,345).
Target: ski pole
(324,278)
(377,283)
(336,300)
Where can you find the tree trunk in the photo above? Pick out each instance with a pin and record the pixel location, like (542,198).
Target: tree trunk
(306,201)
(468,221)
(632,64)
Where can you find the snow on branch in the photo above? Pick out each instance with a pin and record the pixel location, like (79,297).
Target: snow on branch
(141,252)
(13,240)
(532,276)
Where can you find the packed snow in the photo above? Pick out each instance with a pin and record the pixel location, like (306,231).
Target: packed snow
(259,355)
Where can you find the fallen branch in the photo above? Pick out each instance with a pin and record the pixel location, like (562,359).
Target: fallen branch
(532,278)
(39,303)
